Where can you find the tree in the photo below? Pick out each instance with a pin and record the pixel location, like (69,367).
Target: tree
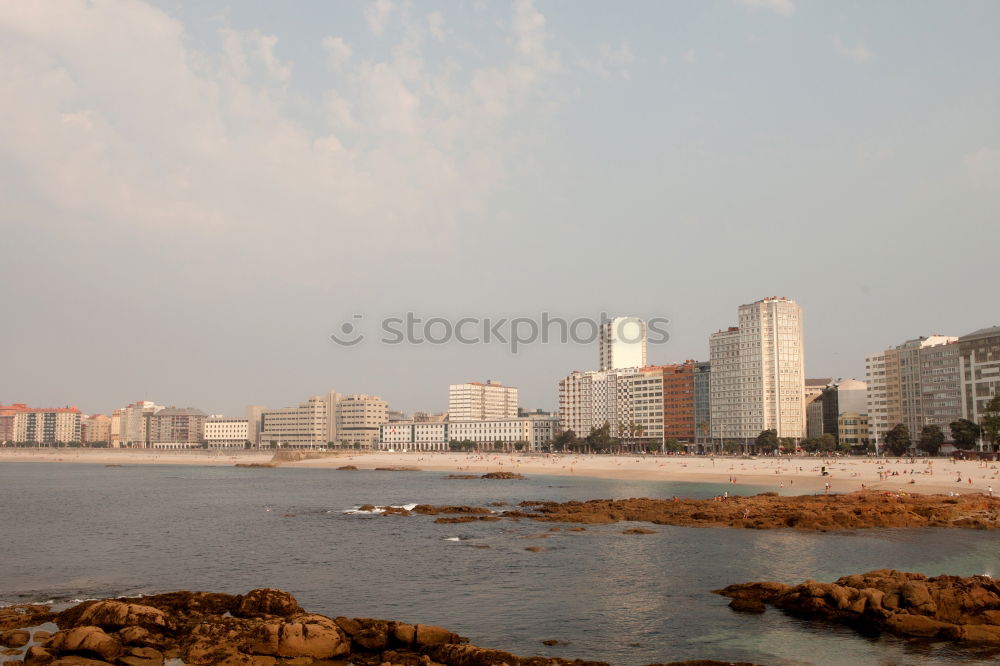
(897,440)
(564,441)
(931,439)
(767,440)
(991,422)
(810,444)
(965,434)
(600,439)
(520,446)
(672,445)
(827,442)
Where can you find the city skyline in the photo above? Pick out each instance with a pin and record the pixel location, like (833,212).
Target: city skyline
(197,195)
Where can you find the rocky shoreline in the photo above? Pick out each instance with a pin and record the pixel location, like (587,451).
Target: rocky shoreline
(962,610)
(860,510)
(264,627)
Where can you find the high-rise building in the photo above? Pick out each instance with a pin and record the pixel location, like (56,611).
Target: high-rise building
(47,425)
(979,371)
(96,429)
(475,401)
(359,418)
(816,416)
(133,424)
(255,419)
(913,384)
(840,398)
(758,373)
(622,343)
(177,428)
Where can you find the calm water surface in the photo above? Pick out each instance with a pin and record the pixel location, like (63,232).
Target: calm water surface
(83,531)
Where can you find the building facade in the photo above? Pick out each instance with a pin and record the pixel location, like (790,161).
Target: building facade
(177,428)
(359,418)
(475,401)
(45,425)
(308,425)
(914,384)
(96,429)
(703,401)
(622,343)
(979,371)
(225,432)
(758,373)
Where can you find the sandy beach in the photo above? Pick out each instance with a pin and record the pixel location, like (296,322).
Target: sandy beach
(789,474)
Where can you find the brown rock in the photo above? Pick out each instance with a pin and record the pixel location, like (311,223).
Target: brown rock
(534,549)
(10,652)
(24,615)
(265,602)
(40,635)
(141,656)
(502,475)
(747,606)
(112,615)
(301,636)
(38,656)
(401,633)
(89,641)
(15,638)
(638,530)
(427,635)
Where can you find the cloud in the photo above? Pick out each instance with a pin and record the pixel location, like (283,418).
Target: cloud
(377,14)
(858,53)
(690,57)
(611,59)
(983,167)
(338,52)
(435,23)
(783,7)
(114,119)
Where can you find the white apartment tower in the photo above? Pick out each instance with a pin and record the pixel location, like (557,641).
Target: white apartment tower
(758,373)
(623,343)
(475,401)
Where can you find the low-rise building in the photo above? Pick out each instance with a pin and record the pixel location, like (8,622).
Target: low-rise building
(226,432)
(177,428)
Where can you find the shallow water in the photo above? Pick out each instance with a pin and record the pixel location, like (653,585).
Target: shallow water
(83,531)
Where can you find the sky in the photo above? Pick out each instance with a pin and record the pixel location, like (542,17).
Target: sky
(195,195)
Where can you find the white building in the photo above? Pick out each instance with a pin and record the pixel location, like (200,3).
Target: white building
(629,400)
(877,405)
(475,401)
(226,432)
(44,425)
(533,431)
(758,373)
(414,436)
(623,343)
(134,424)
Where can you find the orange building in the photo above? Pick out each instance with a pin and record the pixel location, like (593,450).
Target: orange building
(678,401)
(7,413)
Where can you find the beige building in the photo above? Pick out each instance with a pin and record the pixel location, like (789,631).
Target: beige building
(310,424)
(96,429)
(323,420)
(914,384)
(359,418)
(475,401)
(177,428)
(44,425)
(852,429)
(758,373)
(534,432)
(414,436)
(226,432)
(629,400)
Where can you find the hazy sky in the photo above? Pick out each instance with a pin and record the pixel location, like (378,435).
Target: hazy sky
(196,195)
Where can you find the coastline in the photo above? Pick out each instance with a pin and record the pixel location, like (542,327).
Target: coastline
(788,475)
